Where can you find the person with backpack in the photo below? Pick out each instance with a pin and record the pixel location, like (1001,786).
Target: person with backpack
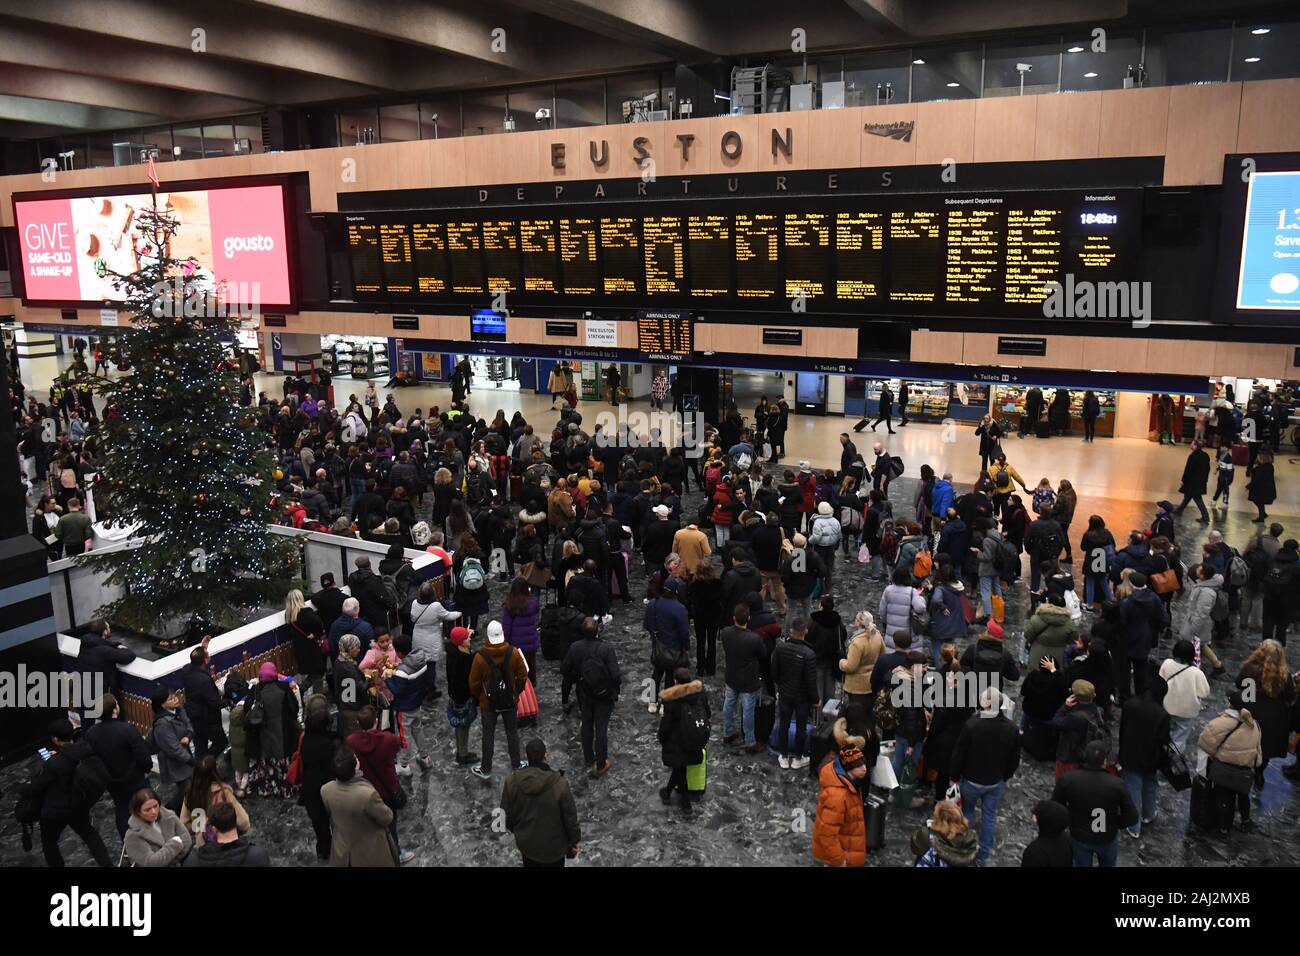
(1004,479)
(471,592)
(172,739)
(125,756)
(62,793)
(496,677)
(1281,591)
(1098,549)
(1259,553)
(540,811)
(883,469)
(794,675)
(1079,722)
(996,561)
(1044,541)
(683,732)
(1099,804)
(824,534)
(591,666)
(1143,749)
(906,548)
(368,589)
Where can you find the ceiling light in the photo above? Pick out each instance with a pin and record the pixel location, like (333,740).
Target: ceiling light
(1075,49)
(918,63)
(954,84)
(1259,31)
(1252,59)
(1089,75)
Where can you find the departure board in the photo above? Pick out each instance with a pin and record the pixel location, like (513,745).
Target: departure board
(665,336)
(620,250)
(958,254)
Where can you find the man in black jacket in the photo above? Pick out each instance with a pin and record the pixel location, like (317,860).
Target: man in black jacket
(1196,481)
(794,673)
(587,591)
(766,543)
(591,664)
(99,655)
(203,704)
(1052,847)
(1143,744)
(1099,805)
(125,756)
(657,538)
(744,652)
(1044,541)
(55,792)
(988,656)
(985,758)
(328,601)
(742,580)
(615,535)
(229,848)
(368,588)
(848,452)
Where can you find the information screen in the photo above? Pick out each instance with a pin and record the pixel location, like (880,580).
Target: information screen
(1270,246)
(928,254)
(665,335)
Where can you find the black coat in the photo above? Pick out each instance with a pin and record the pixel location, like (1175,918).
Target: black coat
(578,653)
(743,653)
(328,603)
(1196,474)
(1086,790)
(202,699)
(945,727)
(123,750)
(53,785)
(1053,846)
(306,633)
(97,656)
(588,594)
(1273,714)
(675,751)
(1143,735)
(987,751)
(794,671)
(368,588)
(657,542)
(1262,488)
(737,584)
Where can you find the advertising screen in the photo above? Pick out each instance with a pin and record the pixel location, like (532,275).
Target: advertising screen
(1269,277)
(235,235)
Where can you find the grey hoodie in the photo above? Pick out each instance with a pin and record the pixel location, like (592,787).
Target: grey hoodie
(1200,602)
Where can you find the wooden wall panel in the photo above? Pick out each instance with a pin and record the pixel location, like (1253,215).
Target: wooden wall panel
(1115,354)
(835,138)
(676,159)
(945,131)
(1068,126)
(1181,357)
(883,150)
(1249,360)
(793,128)
(750,145)
(399,166)
(1202,129)
(930,346)
(1134,122)
(1270,117)
(1004,129)
(829,343)
(491,160)
(979,348)
(447,162)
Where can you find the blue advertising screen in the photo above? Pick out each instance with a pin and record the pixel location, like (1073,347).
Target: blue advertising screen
(1270,246)
(487,326)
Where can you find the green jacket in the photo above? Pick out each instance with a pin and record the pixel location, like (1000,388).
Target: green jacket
(540,812)
(1048,633)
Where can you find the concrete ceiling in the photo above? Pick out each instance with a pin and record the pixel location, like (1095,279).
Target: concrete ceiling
(85,65)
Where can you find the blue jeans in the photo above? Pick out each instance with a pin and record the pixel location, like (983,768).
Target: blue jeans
(988,587)
(1107,854)
(748,703)
(900,753)
(1142,788)
(1096,587)
(987,795)
(1180,728)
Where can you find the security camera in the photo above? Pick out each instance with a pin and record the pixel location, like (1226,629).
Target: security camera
(1024,67)
(544,113)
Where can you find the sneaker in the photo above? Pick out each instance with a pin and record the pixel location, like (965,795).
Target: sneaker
(1135,834)
(800,763)
(481,773)
(652,708)
(1146,822)
(426,763)
(598,772)
(404,770)
(521,765)
(784,761)
(406,857)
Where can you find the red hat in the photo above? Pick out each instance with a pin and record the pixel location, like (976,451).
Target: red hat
(995,629)
(459,635)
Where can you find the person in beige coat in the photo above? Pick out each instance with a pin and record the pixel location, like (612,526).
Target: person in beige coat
(692,546)
(205,789)
(359,818)
(864,648)
(1233,738)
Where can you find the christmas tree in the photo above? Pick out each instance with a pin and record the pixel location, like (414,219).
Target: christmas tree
(183,464)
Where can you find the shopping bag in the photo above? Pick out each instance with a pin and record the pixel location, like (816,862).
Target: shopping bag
(906,789)
(697,774)
(882,774)
(999,608)
(864,555)
(526,706)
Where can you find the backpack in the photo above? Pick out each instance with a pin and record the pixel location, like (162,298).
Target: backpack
(895,467)
(885,713)
(392,594)
(1051,545)
(889,546)
(595,678)
(1238,570)
(1006,560)
(694,724)
(471,575)
(850,519)
(500,685)
(1275,581)
(90,780)
(1219,613)
(1095,730)
(1257,561)
(922,565)
(1003,481)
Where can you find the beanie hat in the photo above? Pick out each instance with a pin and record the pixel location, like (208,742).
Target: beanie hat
(824,508)
(267,672)
(1138,579)
(459,635)
(495,634)
(851,755)
(1083,691)
(995,630)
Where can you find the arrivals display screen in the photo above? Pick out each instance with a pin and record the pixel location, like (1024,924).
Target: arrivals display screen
(236,236)
(1269,276)
(940,254)
(666,336)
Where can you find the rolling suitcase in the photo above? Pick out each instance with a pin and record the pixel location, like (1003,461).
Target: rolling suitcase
(875,806)
(1203,811)
(1240,454)
(1043,429)
(764,717)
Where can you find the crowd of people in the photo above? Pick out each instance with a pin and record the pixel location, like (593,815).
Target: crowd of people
(924,694)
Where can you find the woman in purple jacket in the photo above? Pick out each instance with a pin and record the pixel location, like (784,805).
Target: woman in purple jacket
(519,619)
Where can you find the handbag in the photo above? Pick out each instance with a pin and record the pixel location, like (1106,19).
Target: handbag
(1164,582)
(662,656)
(1175,770)
(526,706)
(293,776)
(1229,776)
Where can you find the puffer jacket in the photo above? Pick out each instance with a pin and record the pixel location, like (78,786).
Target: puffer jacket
(863,651)
(947,616)
(1049,632)
(1201,597)
(936,851)
(825,532)
(840,828)
(896,606)
(1234,738)
(988,552)
(521,630)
